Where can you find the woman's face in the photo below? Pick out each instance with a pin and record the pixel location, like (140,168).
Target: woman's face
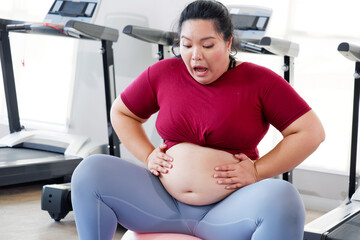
(203,50)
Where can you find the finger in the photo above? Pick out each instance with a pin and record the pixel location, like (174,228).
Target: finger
(234,186)
(166,164)
(163,146)
(160,169)
(165,157)
(160,165)
(230,184)
(227,181)
(227,174)
(241,156)
(154,172)
(227,167)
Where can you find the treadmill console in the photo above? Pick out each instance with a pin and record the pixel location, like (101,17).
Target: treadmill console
(63,10)
(250,22)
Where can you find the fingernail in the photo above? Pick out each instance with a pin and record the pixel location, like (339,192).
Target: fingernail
(220,182)
(216,175)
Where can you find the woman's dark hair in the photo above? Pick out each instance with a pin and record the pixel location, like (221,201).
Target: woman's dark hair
(207,10)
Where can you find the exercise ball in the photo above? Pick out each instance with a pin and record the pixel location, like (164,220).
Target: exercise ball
(130,235)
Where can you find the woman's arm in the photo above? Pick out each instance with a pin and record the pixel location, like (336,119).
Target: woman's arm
(301,139)
(131,133)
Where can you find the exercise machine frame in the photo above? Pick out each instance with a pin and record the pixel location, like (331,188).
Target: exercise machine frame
(342,223)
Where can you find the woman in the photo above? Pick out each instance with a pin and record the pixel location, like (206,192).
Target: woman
(207,178)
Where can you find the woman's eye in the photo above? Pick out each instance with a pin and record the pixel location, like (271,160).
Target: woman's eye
(209,46)
(186,46)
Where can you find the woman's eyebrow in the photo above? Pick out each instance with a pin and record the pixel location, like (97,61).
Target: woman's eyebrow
(202,39)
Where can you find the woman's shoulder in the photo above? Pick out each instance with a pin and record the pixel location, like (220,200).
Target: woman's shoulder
(254,68)
(166,70)
(167,64)
(259,73)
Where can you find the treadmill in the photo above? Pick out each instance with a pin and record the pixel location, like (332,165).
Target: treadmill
(343,222)
(27,156)
(250,23)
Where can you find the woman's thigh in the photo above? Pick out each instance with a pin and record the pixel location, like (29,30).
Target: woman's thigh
(271,209)
(136,197)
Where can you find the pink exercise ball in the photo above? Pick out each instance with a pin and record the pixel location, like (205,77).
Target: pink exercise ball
(130,235)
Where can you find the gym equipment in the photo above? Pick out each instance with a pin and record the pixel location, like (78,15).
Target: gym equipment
(250,22)
(343,222)
(27,156)
(56,197)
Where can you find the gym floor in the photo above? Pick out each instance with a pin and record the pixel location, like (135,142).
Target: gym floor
(21,216)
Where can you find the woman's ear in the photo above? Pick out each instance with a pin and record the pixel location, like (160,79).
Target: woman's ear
(230,43)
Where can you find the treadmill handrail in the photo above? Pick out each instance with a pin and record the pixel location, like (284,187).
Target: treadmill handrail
(267,45)
(350,51)
(280,46)
(92,30)
(72,28)
(150,35)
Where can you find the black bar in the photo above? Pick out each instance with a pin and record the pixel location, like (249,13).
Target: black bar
(354,135)
(9,82)
(249,47)
(161,52)
(110,94)
(288,73)
(288,70)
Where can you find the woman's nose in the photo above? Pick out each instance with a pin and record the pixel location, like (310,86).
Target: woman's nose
(196,54)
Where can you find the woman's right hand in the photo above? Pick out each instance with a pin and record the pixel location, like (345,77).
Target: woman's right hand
(158,161)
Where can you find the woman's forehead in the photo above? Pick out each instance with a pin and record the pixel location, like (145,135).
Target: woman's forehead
(199,28)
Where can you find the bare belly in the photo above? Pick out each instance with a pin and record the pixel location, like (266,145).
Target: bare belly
(191,180)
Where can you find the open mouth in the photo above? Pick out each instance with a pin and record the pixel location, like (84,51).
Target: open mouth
(200,69)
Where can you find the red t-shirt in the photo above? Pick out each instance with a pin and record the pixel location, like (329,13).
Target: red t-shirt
(232,114)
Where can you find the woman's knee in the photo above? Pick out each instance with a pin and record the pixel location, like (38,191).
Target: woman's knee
(91,170)
(87,166)
(283,200)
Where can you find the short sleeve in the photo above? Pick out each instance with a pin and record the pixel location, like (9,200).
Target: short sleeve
(282,105)
(140,97)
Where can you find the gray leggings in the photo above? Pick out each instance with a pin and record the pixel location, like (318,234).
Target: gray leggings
(108,190)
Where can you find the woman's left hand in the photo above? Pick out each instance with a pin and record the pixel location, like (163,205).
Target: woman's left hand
(237,175)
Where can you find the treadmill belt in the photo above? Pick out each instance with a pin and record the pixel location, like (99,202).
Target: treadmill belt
(20,165)
(350,230)
(9,156)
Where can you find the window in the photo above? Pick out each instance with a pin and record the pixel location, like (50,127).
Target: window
(44,83)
